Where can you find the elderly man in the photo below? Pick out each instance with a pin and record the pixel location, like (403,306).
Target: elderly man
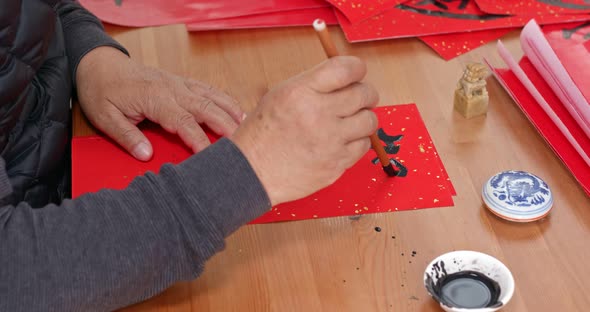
(110,249)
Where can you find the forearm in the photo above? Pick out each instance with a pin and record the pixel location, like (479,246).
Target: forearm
(83,32)
(113,248)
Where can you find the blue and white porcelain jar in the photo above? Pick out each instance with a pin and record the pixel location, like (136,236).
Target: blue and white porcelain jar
(517,196)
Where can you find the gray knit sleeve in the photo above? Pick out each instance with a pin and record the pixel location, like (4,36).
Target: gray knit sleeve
(106,250)
(83,32)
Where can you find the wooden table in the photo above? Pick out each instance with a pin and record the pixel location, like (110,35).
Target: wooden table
(339,264)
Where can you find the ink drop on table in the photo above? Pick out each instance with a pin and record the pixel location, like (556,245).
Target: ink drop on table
(468,289)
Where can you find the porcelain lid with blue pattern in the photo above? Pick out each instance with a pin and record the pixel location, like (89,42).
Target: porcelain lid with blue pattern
(517,196)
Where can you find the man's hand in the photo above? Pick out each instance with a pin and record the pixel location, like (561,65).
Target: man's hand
(116,93)
(307,131)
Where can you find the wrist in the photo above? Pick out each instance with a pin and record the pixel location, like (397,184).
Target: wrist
(94,60)
(248,146)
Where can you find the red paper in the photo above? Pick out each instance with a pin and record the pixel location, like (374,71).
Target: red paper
(534,7)
(570,43)
(449,46)
(98,163)
(302,17)
(142,13)
(420,18)
(359,10)
(556,140)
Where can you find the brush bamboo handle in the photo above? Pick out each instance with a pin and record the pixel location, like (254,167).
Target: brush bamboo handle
(331,51)
(376,144)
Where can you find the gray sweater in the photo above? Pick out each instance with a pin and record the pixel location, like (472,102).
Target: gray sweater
(108,250)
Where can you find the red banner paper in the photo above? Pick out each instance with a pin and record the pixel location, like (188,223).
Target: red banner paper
(534,7)
(143,13)
(449,46)
(302,17)
(98,163)
(421,18)
(359,10)
(571,43)
(552,135)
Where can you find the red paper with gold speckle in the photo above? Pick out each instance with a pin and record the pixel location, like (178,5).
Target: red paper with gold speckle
(534,7)
(98,163)
(449,46)
(359,10)
(420,18)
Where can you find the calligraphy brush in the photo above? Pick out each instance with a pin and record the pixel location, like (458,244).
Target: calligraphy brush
(320,27)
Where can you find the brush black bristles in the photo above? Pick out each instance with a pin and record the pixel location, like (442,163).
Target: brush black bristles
(390,170)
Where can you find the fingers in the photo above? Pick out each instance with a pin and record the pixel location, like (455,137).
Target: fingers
(359,125)
(335,73)
(192,134)
(177,120)
(206,111)
(190,107)
(350,100)
(128,136)
(222,99)
(356,150)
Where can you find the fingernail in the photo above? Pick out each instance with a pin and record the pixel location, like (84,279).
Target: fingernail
(142,151)
(244,115)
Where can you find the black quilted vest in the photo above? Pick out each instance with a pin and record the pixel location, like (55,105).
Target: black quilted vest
(35,89)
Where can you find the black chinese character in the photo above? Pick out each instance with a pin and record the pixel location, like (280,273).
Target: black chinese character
(391,148)
(444,9)
(567,5)
(441,3)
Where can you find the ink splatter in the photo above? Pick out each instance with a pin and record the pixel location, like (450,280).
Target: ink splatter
(377,229)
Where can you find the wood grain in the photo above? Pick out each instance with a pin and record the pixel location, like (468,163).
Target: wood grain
(343,264)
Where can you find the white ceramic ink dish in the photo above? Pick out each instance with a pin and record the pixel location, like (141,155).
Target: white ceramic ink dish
(487,276)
